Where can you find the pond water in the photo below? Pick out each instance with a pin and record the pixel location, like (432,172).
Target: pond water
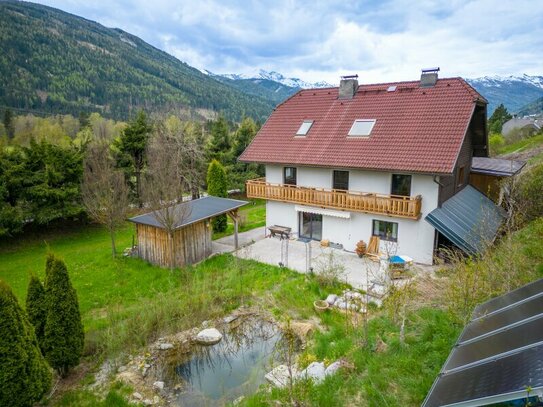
(218,374)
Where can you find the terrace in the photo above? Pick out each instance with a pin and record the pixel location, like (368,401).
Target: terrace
(366,202)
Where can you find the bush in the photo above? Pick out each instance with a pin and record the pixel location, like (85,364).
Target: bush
(495,141)
(217,185)
(24,374)
(35,307)
(529,193)
(63,331)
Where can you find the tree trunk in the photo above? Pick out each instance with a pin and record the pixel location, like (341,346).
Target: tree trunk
(138,188)
(172,254)
(112,235)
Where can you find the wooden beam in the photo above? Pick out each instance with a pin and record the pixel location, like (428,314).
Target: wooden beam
(235,218)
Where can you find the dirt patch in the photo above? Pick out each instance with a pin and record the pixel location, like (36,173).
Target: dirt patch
(62,385)
(523,155)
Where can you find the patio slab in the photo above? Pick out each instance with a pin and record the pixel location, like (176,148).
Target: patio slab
(358,271)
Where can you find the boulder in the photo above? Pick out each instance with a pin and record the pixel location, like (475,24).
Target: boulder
(341,304)
(159,385)
(230,318)
(333,368)
(130,378)
(279,376)
(165,346)
(137,396)
(209,336)
(315,371)
(331,299)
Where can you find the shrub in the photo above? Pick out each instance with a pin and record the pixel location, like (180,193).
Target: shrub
(35,307)
(63,331)
(529,193)
(217,185)
(495,141)
(24,374)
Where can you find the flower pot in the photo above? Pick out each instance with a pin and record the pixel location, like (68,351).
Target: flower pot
(321,306)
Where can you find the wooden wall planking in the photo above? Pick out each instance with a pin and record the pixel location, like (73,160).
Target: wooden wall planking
(191,244)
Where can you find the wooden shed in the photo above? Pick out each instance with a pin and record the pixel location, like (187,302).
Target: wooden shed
(193,235)
(487,173)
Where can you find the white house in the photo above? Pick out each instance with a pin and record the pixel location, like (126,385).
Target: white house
(348,163)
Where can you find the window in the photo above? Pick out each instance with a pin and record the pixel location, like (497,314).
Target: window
(340,180)
(401,185)
(385,230)
(304,128)
(461,175)
(362,127)
(289,175)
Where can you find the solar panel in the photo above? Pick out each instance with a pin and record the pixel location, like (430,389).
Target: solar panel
(502,319)
(512,297)
(499,354)
(493,379)
(505,341)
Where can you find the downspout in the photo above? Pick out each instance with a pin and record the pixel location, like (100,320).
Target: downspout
(435,179)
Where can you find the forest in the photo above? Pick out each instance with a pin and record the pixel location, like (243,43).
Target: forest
(44,160)
(55,62)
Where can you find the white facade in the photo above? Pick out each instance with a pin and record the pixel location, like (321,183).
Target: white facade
(415,237)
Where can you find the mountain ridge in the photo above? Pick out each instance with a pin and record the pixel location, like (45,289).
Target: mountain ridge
(57,62)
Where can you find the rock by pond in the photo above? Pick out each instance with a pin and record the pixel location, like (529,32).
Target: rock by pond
(209,336)
(315,371)
(234,367)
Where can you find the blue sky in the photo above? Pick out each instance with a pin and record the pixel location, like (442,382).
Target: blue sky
(321,40)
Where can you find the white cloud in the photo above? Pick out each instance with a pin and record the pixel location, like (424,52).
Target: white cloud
(320,40)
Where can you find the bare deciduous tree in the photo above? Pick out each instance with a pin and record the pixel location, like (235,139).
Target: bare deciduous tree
(104,191)
(171,156)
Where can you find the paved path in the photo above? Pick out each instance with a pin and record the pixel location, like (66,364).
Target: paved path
(226,244)
(357,272)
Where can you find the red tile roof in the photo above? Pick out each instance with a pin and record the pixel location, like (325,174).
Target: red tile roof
(416,129)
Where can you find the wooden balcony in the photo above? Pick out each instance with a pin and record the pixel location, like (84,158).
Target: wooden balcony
(390,205)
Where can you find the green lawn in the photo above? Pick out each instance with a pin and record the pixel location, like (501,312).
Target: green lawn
(253,216)
(521,145)
(126,303)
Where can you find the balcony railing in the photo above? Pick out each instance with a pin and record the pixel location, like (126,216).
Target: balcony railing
(391,205)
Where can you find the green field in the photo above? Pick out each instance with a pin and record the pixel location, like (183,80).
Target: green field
(126,303)
(253,215)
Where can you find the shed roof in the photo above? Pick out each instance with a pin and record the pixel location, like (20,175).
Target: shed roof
(496,166)
(194,211)
(498,355)
(416,129)
(468,219)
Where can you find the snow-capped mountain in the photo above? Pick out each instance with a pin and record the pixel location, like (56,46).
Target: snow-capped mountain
(514,91)
(273,76)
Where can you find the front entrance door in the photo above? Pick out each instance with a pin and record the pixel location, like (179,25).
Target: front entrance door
(310,226)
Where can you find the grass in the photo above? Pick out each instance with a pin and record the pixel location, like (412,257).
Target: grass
(518,146)
(253,216)
(126,303)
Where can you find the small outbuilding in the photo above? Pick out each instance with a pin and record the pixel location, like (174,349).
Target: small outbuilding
(193,232)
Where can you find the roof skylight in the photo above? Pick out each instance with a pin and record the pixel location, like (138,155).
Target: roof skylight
(304,128)
(362,127)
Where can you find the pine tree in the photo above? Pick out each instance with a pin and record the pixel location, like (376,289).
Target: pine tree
(220,144)
(498,118)
(24,374)
(63,331)
(131,148)
(217,186)
(244,135)
(35,307)
(8,123)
